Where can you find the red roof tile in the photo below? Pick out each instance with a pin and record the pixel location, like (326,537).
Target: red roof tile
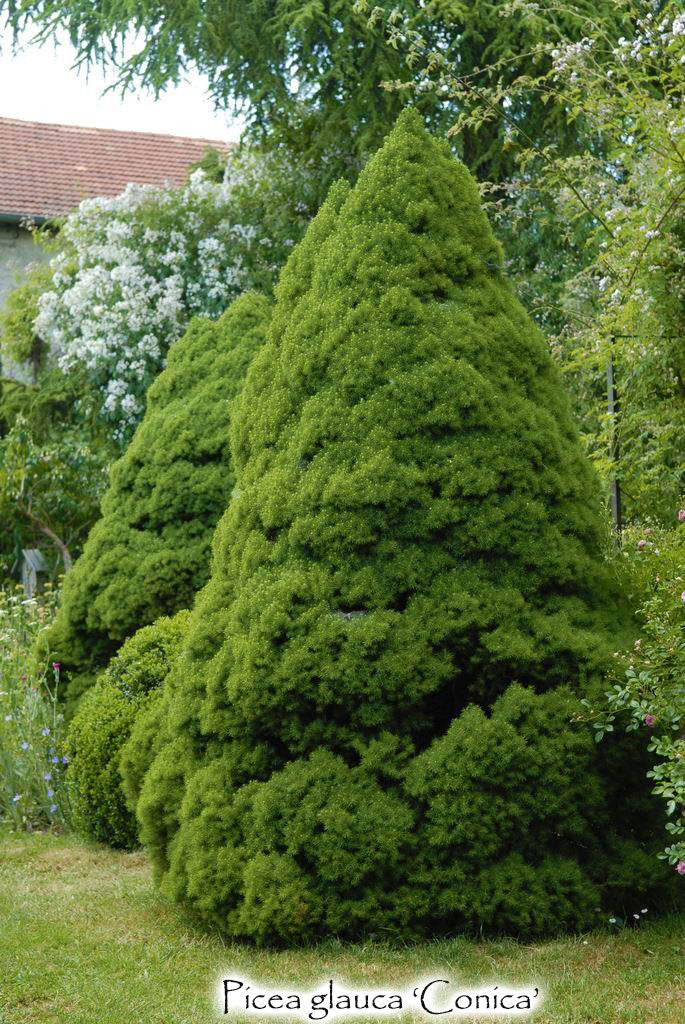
(47,169)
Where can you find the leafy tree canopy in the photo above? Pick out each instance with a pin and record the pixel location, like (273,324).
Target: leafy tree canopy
(309,72)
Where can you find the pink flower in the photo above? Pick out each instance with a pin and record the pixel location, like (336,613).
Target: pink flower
(58,664)
(648,531)
(680,867)
(642,543)
(650,720)
(682,596)
(681,515)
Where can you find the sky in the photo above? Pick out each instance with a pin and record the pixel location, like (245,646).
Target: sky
(38,84)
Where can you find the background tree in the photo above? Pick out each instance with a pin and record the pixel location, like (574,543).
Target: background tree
(53,469)
(308,75)
(48,490)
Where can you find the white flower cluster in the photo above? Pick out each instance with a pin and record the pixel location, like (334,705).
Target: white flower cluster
(135,269)
(652,38)
(566,58)
(653,41)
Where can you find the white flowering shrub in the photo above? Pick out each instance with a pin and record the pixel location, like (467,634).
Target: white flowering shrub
(134,269)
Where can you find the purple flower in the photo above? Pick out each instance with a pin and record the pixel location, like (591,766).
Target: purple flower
(46,732)
(52,750)
(17,797)
(680,867)
(57,665)
(53,808)
(681,515)
(55,760)
(51,793)
(25,745)
(682,596)
(48,777)
(8,718)
(650,720)
(65,760)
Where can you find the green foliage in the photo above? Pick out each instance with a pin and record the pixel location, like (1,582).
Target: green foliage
(414,528)
(33,791)
(103,724)
(53,454)
(51,469)
(649,692)
(49,488)
(149,552)
(212,164)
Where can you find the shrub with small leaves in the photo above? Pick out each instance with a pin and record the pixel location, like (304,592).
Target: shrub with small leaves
(649,692)
(103,724)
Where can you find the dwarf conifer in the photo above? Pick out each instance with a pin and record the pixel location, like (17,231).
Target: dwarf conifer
(149,553)
(414,528)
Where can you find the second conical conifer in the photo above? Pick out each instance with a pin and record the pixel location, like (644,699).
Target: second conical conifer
(149,553)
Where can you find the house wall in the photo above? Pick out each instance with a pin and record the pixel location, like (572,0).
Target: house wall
(17,250)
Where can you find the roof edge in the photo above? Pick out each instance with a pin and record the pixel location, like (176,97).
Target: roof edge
(21,218)
(216,143)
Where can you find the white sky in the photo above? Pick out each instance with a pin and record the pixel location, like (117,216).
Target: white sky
(39,85)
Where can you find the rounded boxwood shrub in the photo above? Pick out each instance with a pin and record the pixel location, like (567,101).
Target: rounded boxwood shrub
(102,725)
(415,528)
(149,553)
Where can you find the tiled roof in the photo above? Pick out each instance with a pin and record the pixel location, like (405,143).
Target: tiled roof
(47,169)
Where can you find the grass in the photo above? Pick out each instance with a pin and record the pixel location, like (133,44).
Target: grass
(86,939)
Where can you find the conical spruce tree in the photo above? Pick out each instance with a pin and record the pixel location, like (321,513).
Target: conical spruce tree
(414,529)
(149,553)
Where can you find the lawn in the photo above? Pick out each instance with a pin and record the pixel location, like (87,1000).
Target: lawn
(86,939)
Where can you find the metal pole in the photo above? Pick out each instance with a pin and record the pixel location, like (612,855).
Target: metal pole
(614,451)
